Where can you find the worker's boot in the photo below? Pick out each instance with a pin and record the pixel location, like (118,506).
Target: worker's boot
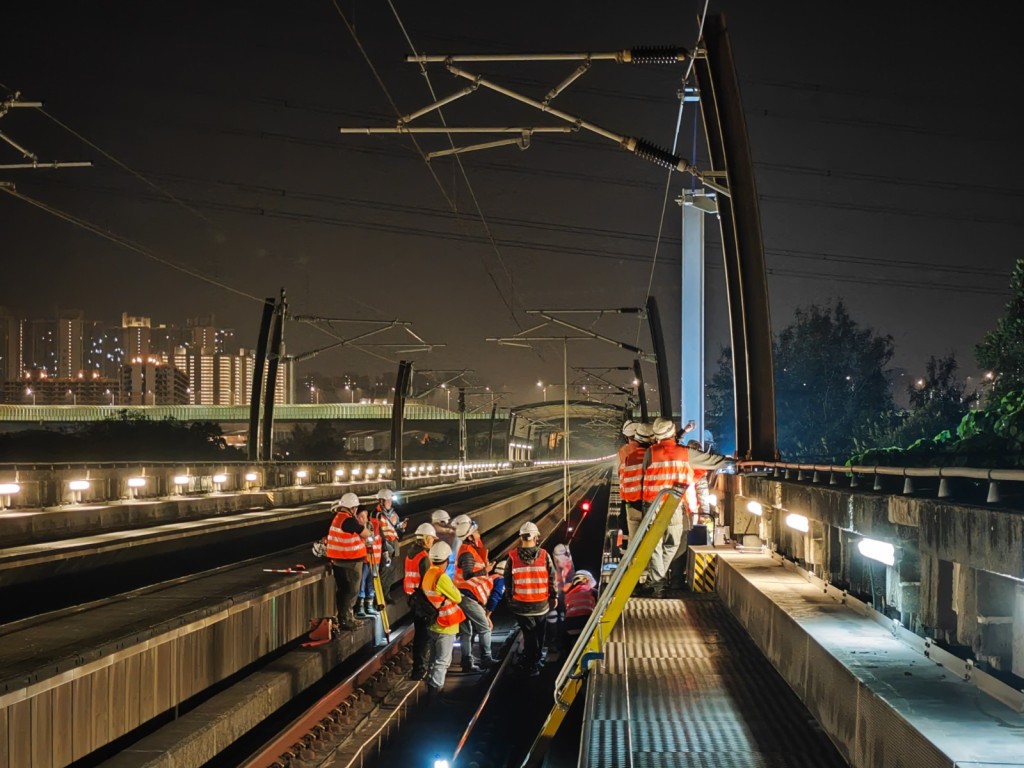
(349,622)
(360,612)
(371,609)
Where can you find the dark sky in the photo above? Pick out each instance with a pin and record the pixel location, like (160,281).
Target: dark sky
(887,162)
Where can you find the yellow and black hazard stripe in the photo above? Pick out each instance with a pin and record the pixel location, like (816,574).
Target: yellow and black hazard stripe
(704,564)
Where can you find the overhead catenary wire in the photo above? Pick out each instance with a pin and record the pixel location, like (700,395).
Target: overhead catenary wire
(265,212)
(124,166)
(124,242)
(458,163)
(433,173)
(668,178)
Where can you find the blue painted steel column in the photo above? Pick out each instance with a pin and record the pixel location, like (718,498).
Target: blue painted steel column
(692,317)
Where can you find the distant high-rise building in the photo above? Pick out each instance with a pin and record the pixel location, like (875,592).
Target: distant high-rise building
(105,351)
(70,343)
(81,389)
(137,336)
(12,362)
(223,379)
(41,347)
(149,382)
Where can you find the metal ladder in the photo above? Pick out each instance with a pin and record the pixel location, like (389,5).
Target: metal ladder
(610,604)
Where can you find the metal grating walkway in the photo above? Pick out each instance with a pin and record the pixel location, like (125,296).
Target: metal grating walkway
(683,686)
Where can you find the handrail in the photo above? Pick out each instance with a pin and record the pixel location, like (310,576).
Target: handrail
(974,473)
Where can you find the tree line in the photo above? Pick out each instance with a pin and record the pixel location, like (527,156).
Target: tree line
(834,398)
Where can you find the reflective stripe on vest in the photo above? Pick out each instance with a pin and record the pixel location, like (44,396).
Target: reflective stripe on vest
(579,601)
(411,582)
(529,582)
(448,613)
(387,528)
(478,587)
(377,544)
(631,473)
(342,545)
(479,565)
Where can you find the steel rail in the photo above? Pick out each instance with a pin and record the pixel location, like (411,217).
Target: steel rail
(293,734)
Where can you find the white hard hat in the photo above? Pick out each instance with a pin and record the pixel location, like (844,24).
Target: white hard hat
(426,529)
(663,429)
(440,552)
(463,525)
(439,516)
(349,501)
(629,429)
(584,576)
(385,494)
(643,433)
(529,529)
(561,549)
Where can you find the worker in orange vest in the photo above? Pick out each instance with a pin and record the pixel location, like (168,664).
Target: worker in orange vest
(346,549)
(443,595)
(473,578)
(631,475)
(672,464)
(385,510)
(580,600)
(416,564)
(531,591)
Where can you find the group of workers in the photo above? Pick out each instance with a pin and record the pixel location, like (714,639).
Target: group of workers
(450,567)
(651,460)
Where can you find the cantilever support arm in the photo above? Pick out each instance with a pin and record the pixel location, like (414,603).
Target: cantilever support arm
(639,147)
(640,55)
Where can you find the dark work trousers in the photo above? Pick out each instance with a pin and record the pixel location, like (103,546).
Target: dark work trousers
(347,575)
(420,646)
(390,574)
(534,629)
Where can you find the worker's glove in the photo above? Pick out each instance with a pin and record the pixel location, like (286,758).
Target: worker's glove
(553,603)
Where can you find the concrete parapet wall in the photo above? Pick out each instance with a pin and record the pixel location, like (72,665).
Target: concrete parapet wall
(97,695)
(956,569)
(843,694)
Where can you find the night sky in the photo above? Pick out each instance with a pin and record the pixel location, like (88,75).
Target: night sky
(887,162)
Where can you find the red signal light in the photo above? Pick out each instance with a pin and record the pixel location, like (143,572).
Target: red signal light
(585,506)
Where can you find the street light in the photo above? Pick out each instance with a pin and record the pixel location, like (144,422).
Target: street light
(315,393)
(543,389)
(351,394)
(110,395)
(448,397)
(74,397)
(32,392)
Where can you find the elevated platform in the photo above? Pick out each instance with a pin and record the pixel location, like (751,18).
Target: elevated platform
(739,678)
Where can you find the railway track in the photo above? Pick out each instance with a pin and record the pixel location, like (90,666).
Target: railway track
(119,622)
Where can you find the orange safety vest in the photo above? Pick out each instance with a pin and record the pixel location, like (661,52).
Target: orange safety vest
(579,601)
(411,582)
(631,474)
(342,545)
(448,613)
(478,587)
(373,555)
(529,582)
(669,466)
(387,528)
(479,561)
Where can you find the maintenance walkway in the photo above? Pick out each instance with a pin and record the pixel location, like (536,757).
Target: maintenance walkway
(771,669)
